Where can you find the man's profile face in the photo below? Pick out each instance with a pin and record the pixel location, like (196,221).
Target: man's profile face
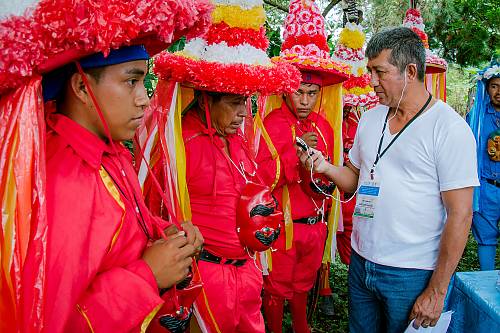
(303,100)
(122,97)
(494,92)
(227,113)
(386,79)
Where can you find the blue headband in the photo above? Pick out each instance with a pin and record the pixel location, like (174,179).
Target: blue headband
(53,82)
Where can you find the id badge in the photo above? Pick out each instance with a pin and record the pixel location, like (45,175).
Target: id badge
(366,201)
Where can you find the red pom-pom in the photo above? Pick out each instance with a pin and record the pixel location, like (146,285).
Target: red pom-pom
(319,40)
(230,78)
(221,32)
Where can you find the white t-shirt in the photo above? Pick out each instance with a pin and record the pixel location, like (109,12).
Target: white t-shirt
(436,153)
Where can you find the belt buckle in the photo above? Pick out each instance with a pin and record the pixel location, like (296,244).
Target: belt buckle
(312,220)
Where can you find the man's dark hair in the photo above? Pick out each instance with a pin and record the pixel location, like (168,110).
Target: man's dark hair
(64,74)
(406,48)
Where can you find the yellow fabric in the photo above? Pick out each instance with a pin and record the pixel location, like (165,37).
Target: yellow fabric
(442,86)
(237,17)
(150,317)
(274,153)
(287,214)
(9,208)
(184,96)
(86,318)
(332,111)
(113,191)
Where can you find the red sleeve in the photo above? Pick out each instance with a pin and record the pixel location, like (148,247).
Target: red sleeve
(82,221)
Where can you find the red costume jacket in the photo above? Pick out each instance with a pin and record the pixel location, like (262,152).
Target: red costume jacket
(214,185)
(96,279)
(283,126)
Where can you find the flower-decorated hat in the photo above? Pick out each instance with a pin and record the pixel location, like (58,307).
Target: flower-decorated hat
(305,43)
(433,64)
(47,34)
(231,57)
(490,72)
(357,91)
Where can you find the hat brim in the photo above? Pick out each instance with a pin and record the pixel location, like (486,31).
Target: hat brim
(431,68)
(241,79)
(331,72)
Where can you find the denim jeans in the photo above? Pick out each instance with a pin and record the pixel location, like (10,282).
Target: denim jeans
(381,297)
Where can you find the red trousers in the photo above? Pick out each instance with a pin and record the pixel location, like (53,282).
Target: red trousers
(294,271)
(344,237)
(231,297)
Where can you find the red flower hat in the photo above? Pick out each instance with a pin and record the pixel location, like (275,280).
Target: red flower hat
(305,43)
(433,64)
(357,91)
(231,57)
(53,33)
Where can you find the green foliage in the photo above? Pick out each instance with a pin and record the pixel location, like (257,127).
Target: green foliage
(467,31)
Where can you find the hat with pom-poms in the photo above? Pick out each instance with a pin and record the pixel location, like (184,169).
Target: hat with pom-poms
(357,91)
(47,34)
(433,63)
(231,57)
(305,44)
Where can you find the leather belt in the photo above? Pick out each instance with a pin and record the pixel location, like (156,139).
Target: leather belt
(493,182)
(210,257)
(309,220)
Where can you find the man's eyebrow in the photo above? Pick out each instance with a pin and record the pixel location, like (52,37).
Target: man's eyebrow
(135,71)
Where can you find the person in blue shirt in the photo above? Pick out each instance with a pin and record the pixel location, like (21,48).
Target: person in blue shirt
(484,120)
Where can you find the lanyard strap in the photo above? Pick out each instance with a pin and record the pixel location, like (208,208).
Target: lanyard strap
(379,155)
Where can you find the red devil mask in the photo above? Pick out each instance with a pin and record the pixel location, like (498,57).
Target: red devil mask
(258,221)
(312,187)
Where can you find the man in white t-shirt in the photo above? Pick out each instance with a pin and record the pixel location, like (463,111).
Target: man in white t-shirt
(413,165)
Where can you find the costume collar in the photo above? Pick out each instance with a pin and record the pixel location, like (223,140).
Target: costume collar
(85,143)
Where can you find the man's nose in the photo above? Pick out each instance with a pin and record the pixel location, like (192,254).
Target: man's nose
(304,99)
(142,98)
(373,80)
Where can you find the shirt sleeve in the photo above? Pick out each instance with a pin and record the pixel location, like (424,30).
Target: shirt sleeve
(355,152)
(456,159)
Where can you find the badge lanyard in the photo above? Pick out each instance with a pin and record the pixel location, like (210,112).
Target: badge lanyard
(379,155)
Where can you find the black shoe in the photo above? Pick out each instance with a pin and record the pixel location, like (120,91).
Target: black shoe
(326,306)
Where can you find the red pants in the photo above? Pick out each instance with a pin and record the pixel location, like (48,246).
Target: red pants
(344,237)
(294,271)
(232,297)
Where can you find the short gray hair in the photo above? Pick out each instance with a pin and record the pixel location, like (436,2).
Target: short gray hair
(405,45)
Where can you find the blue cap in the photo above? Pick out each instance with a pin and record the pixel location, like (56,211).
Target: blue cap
(53,82)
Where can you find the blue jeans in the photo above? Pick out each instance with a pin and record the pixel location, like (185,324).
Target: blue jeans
(381,297)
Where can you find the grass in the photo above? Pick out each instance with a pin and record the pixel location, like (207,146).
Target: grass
(338,279)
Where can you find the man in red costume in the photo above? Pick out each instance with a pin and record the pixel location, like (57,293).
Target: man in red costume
(218,164)
(294,271)
(102,276)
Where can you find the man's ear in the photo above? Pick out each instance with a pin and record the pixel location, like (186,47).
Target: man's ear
(77,88)
(411,72)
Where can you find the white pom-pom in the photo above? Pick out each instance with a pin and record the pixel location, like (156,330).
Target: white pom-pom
(15,7)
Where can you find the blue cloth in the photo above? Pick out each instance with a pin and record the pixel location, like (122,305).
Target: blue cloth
(475,302)
(490,123)
(53,82)
(486,219)
(381,297)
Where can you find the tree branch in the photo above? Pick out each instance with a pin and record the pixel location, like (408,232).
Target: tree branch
(330,6)
(274,4)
